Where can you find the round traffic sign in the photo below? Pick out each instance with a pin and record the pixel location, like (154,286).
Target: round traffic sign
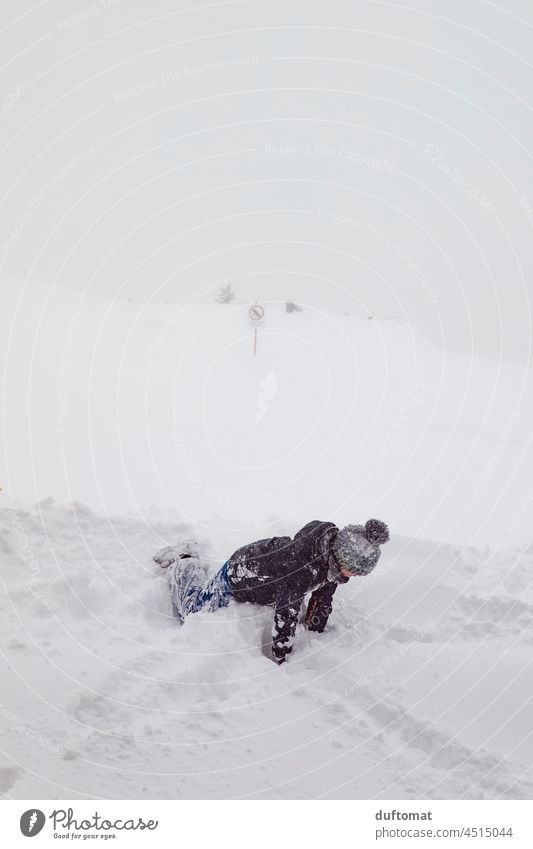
(256,312)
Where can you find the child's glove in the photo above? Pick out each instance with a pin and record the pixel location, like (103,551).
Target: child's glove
(166,556)
(315,618)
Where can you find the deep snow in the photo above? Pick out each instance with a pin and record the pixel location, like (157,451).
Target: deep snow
(156,420)
(420,687)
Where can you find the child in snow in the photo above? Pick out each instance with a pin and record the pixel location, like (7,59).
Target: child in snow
(278,572)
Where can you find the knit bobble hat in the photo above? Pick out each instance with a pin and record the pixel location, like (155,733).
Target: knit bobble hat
(356,547)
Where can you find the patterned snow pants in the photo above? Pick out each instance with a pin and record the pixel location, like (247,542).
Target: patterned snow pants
(190,589)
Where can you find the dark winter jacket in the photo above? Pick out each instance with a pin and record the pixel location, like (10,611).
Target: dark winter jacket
(280,571)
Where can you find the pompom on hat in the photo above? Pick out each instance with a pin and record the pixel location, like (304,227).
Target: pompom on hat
(376,531)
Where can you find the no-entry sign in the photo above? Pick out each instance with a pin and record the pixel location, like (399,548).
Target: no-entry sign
(256,314)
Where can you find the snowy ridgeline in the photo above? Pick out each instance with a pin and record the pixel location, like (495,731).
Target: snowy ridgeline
(418,688)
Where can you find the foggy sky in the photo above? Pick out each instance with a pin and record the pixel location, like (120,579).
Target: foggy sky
(364,157)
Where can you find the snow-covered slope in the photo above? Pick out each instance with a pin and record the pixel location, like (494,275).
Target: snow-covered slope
(124,405)
(420,687)
(156,420)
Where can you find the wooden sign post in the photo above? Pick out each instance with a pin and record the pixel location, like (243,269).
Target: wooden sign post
(256,316)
